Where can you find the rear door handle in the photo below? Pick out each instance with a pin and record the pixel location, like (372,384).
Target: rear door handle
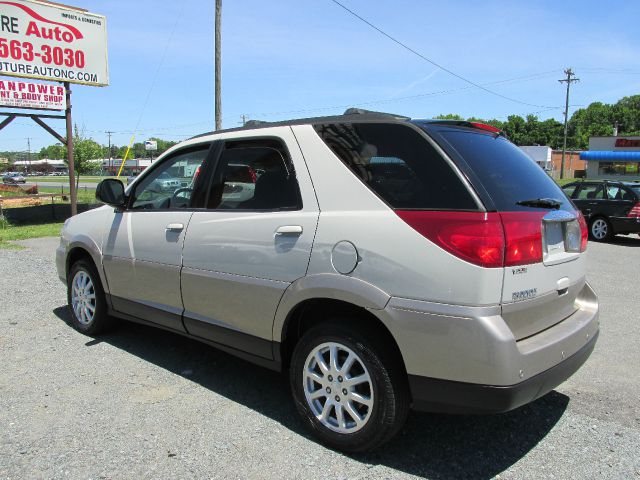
(174,227)
(289,230)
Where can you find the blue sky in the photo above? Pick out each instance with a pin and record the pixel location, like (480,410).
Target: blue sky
(287,59)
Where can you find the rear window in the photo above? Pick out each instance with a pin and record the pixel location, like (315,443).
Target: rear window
(507,174)
(398,164)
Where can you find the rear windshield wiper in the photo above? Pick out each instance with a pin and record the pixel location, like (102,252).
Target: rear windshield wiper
(541,202)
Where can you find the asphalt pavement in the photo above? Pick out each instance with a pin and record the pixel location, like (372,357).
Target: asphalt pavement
(144,403)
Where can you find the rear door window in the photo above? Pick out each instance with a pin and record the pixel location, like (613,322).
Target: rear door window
(591,191)
(398,164)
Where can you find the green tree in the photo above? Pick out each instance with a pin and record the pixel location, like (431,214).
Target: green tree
(84,150)
(449,116)
(627,113)
(53,152)
(595,120)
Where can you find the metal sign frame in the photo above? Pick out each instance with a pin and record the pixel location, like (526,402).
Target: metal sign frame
(68,141)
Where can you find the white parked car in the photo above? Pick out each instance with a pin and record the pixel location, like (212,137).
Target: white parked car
(383,263)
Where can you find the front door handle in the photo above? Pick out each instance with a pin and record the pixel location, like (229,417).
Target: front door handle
(289,230)
(174,227)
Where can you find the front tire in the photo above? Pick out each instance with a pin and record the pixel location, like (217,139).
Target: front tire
(86,300)
(348,387)
(600,229)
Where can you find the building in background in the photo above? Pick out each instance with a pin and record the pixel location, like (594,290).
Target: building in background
(45,165)
(540,154)
(132,166)
(613,157)
(551,161)
(574,167)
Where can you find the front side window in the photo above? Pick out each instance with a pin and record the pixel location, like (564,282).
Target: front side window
(254,175)
(569,190)
(170,185)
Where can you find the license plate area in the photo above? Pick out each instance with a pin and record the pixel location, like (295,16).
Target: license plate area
(561,237)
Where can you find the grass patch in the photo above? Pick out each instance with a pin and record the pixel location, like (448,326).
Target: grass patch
(10,233)
(565,181)
(85,195)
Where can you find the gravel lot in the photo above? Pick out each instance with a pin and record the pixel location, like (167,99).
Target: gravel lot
(143,403)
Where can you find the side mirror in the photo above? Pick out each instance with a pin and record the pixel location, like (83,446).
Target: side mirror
(111,192)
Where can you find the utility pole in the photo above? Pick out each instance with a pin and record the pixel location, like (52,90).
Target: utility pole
(109,133)
(28,154)
(568,81)
(70,163)
(217,66)
(244,120)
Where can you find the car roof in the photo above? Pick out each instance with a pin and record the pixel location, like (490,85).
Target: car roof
(629,183)
(350,115)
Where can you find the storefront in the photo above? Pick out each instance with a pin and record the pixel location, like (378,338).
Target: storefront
(613,157)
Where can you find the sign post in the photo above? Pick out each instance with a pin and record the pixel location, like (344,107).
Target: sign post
(151,146)
(50,41)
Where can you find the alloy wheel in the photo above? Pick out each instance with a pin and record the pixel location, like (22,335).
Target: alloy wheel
(83,297)
(599,229)
(338,387)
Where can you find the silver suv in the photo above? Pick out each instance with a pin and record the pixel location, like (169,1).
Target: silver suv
(384,263)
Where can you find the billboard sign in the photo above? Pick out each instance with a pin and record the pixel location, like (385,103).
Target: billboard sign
(19,94)
(53,42)
(151,145)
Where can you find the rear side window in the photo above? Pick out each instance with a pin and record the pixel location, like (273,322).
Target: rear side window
(398,164)
(591,191)
(507,173)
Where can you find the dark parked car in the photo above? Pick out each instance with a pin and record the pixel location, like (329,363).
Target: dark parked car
(610,207)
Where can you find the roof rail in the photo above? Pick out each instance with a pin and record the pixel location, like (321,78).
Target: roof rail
(362,111)
(255,123)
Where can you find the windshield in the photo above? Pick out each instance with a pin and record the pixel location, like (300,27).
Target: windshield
(511,178)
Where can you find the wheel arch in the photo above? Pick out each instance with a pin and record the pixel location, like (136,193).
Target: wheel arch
(314,311)
(81,250)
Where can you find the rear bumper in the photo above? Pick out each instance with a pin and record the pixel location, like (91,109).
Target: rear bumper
(625,224)
(435,395)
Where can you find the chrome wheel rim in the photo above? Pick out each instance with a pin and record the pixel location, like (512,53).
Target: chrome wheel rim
(338,388)
(599,229)
(83,297)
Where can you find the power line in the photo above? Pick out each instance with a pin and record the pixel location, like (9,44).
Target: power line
(435,64)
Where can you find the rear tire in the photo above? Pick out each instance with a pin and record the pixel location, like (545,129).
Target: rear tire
(600,229)
(86,300)
(348,387)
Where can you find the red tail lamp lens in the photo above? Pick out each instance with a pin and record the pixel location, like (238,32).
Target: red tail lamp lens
(484,126)
(489,240)
(584,231)
(635,211)
(476,237)
(523,236)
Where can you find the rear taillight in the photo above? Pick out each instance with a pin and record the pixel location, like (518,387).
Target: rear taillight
(635,211)
(523,236)
(476,237)
(584,232)
(490,240)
